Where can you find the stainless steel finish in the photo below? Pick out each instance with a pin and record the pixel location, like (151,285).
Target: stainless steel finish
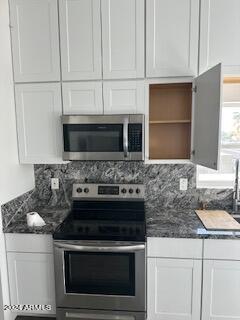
(99,247)
(69,314)
(236,195)
(118,156)
(136,303)
(106,119)
(97,316)
(125,137)
(93,191)
(236,217)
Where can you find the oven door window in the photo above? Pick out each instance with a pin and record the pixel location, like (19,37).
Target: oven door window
(93,137)
(100,273)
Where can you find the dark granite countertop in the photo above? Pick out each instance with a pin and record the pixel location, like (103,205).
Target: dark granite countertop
(52,217)
(181,223)
(169,223)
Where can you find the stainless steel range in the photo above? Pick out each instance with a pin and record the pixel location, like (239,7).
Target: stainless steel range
(99,254)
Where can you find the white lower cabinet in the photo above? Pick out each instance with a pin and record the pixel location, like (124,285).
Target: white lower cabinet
(174,273)
(31,273)
(221,280)
(174,289)
(31,279)
(221,290)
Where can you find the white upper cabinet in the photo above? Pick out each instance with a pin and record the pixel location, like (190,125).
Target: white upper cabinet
(207,118)
(39,108)
(219,35)
(80,33)
(82,97)
(172,38)
(123,97)
(35,44)
(123,39)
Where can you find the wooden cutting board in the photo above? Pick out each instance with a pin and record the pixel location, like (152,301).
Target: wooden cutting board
(217,220)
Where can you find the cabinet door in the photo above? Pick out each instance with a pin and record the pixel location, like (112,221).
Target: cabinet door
(221,290)
(123,97)
(219,35)
(172,38)
(207,118)
(31,279)
(80,30)
(82,98)
(123,38)
(35,44)
(174,289)
(39,108)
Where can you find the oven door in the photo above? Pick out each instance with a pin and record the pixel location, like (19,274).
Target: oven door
(95,137)
(100,275)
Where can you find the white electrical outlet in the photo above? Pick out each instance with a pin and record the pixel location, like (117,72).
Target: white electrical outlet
(54,183)
(183,184)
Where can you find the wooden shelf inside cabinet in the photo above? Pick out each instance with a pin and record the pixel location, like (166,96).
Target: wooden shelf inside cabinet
(170,109)
(169,121)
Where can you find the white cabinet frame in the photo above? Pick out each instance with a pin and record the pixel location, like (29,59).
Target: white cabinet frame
(219,35)
(35,40)
(206,117)
(82,97)
(38,110)
(80,31)
(123,39)
(123,97)
(172,30)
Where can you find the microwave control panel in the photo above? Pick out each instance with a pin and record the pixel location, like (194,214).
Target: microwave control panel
(135,137)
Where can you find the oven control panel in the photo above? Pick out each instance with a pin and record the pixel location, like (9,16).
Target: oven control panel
(130,230)
(118,191)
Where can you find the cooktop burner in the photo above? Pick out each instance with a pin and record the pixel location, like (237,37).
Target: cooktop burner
(105,212)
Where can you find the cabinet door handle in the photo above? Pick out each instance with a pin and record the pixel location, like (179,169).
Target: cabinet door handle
(125,137)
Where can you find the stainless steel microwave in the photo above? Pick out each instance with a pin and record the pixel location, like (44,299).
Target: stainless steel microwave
(103,137)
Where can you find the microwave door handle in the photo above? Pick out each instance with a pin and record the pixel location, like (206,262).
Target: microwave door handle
(94,316)
(125,138)
(128,248)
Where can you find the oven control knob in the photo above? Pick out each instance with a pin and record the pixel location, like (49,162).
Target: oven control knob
(123,190)
(86,190)
(79,190)
(130,190)
(86,229)
(138,190)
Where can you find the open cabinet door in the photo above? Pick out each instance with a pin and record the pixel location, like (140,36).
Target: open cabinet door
(207,118)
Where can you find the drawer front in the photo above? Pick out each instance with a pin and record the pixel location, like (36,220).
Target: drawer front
(174,248)
(37,243)
(222,249)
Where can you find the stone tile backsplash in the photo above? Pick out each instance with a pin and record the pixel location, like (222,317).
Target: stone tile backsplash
(161,185)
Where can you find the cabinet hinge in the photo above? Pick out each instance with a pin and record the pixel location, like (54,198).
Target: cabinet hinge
(194,89)
(193,152)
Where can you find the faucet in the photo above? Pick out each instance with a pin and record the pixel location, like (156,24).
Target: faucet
(236,196)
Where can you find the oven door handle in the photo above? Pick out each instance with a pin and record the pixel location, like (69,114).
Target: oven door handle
(75,247)
(86,316)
